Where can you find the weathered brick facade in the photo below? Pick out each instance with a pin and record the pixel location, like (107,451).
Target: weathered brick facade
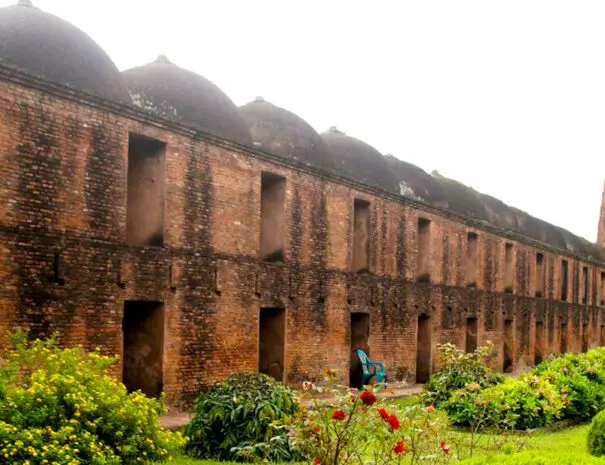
(192,256)
(67,267)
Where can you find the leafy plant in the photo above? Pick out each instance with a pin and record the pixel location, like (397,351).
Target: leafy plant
(581,381)
(566,387)
(61,406)
(243,418)
(459,369)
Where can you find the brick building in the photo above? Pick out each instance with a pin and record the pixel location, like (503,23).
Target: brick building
(144,213)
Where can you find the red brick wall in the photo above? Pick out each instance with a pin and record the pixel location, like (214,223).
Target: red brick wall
(64,166)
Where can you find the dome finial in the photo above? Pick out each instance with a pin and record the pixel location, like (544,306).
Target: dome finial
(25,3)
(335,129)
(259,99)
(162,59)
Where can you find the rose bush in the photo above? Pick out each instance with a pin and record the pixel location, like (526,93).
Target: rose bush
(352,428)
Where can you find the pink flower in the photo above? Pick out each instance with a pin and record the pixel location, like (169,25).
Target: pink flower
(430,409)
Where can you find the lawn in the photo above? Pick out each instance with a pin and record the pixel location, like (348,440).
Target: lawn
(563,441)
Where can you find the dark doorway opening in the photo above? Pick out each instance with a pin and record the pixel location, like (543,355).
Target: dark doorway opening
(509,327)
(423,349)
(563,338)
(471,334)
(360,334)
(272,342)
(585,337)
(143,339)
(539,343)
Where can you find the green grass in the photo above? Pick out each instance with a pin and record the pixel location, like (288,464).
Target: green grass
(565,440)
(568,439)
(551,440)
(573,438)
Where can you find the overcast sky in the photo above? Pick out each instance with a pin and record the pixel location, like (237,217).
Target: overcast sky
(505,96)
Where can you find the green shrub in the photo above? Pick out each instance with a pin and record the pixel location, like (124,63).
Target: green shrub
(581,381)
(523,403)
(458,371)
(595,439)
(567,387)
(515,404)
(242,418)
(61,406)
(535,458)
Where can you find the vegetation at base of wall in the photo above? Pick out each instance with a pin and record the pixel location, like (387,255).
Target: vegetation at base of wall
(567,387)
(243,418)
(458,371)
(512,404)
(580,379)
(61,406)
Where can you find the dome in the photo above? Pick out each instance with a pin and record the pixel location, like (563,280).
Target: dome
(185,97)
(282,132)
(53,49)
(462,199)
(359,161)
(414,182)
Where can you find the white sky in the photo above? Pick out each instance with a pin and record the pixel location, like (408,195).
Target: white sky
(505,96)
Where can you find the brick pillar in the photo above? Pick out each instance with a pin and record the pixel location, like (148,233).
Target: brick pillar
(601,232)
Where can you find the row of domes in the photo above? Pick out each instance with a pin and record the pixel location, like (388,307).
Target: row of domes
(52,48)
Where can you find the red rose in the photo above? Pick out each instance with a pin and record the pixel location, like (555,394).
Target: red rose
(394,421)
(368,398)
(384,414)
(399,448)
(316,460)
(338,415)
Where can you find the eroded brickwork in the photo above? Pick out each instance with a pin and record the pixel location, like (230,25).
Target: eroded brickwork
(66,264)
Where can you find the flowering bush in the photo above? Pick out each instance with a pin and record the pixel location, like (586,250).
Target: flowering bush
(243,417)
(356,428)
(62,407)
(580,379)
(459,369)
(567,387)
(515,404)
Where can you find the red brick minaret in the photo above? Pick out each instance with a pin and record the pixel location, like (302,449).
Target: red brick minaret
(601,232)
